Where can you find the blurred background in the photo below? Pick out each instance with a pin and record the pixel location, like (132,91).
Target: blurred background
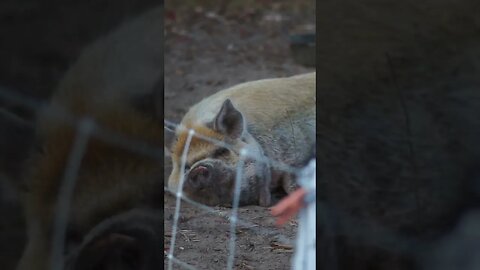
(40,40)
(398,127)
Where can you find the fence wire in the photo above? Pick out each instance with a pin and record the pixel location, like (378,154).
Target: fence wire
(461,246)
(85,130)
(233,217)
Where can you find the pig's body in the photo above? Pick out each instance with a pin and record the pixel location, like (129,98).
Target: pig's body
(278,121)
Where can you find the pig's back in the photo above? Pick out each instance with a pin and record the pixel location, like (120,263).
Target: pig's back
(264,101)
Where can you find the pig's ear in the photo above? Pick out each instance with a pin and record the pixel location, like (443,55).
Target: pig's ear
(229,120)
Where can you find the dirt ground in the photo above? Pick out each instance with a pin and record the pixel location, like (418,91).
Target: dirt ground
(206,51)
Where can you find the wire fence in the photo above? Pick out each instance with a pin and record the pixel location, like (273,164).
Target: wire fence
(233,216)
(457,249)
(87,129)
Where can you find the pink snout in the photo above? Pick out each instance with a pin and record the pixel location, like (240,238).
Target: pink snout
(199,177)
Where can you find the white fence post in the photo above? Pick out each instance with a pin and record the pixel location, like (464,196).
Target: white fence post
(305,257)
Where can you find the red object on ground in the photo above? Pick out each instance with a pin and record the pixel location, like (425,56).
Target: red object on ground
(289,206)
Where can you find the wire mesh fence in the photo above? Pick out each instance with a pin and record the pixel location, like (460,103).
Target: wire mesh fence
(232,217)
(87,129)
(450,252)
(457,250)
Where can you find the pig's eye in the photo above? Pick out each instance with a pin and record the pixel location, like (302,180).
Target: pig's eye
(220,152)
(187,167)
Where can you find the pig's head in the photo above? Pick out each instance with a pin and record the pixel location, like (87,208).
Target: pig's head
(211,168)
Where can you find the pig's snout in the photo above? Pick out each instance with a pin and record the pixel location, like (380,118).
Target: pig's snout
(199,176)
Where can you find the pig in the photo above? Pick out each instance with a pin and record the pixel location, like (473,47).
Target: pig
(270,119)
(115,214)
